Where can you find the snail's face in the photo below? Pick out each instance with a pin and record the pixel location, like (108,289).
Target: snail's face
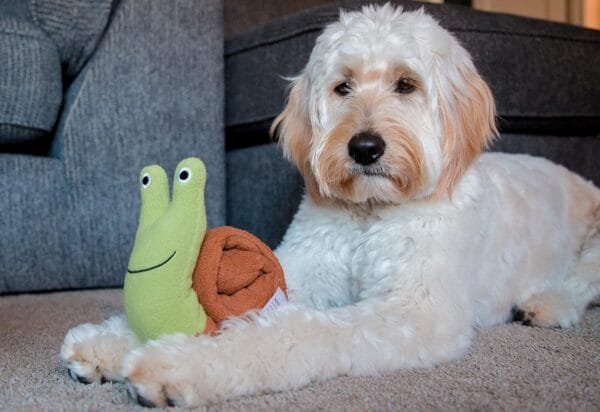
(168,231)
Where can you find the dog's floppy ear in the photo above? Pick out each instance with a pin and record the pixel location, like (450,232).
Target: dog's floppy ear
(292,127)
(468,120)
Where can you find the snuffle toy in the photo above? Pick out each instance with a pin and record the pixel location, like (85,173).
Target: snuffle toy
(181,278)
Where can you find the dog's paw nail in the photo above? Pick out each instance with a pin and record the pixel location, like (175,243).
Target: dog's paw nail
(144,402)
(130,389)
(137,397)
(79,378)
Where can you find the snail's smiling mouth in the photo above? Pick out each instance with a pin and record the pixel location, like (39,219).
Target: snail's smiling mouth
(152,267)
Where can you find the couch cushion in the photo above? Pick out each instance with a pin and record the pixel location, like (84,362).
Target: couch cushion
(242,15)
(263,192)
(577,153)
(76,26)
(539,71)
(30,78)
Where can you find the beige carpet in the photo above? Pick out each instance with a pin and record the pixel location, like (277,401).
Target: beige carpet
(510,367)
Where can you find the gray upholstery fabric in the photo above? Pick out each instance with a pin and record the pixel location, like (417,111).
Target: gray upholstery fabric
(263,192)
(12,135)
(30,76)
(150,93)
(74,25)
(537,69)
(242,15)
(577,153)
(42,41)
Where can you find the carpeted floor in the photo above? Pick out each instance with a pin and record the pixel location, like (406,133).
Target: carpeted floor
(510,367)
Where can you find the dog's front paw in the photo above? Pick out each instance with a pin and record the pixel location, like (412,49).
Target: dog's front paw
(78,353)
(170,372)
(92,353)
(548,310)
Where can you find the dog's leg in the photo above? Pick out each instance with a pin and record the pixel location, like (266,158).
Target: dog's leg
(563,305)
(93,353)
(293,347)
(587,270)
(549,309)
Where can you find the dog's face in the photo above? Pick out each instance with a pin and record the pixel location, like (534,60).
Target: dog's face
(389,108)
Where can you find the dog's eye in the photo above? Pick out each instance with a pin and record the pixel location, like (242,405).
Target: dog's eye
(343,88)
(405,86)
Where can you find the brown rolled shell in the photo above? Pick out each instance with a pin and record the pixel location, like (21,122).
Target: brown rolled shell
(235,272)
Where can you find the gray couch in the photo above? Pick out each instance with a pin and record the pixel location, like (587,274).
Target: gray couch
(91,91)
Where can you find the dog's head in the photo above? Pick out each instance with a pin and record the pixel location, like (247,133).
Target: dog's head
(389,108)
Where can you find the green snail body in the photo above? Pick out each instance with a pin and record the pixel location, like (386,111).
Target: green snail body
(157,291)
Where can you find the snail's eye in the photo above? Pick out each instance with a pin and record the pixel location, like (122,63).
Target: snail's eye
(184,175)
(145,181)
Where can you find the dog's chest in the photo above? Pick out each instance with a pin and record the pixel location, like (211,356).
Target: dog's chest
(380,256)
(335,258)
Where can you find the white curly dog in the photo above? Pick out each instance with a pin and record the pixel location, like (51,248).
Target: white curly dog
(407,241)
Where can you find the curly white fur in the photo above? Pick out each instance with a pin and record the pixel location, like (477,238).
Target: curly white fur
(395,264)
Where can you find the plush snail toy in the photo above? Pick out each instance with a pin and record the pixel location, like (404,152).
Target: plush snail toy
(181,279)
(158,293)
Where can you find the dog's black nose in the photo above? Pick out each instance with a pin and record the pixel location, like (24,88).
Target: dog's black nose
(366,147)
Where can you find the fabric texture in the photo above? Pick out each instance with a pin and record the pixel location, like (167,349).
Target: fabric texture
(152,92)
(513,54)
(509,367)
(580,154)
(76,26)
(12,136)
(236,272)
(30,77)
(242,15)
(263,192)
